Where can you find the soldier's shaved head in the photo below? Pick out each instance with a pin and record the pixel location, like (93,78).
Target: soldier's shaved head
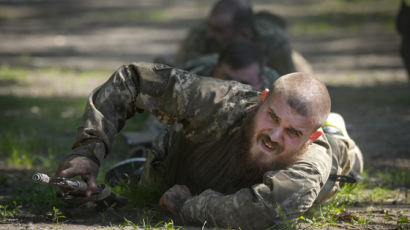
(230,6)
(305,94)
(240,11)
(229,20)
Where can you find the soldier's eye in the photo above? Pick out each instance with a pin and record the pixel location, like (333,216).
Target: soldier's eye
(294,133)
(273,116)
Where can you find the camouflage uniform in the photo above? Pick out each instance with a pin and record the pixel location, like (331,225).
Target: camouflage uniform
(271,38)
(204,110)
(206,65)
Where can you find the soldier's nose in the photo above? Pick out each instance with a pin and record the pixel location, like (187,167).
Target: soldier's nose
(276,135)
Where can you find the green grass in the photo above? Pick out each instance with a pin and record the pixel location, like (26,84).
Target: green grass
(56,215)
(394,177)
(35,131)
(357,195)
(346,16)
(36,198)
(39,131)
(137,196)
(9,210)
(145,223)
(19,74)
(12,75)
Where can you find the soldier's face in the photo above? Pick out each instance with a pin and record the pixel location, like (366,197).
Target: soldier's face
(219,31)
(250,75)
(280,134)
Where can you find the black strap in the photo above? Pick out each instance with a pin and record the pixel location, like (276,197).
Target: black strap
(343,179)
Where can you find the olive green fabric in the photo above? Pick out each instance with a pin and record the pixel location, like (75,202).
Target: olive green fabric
(203,110)
(205,66)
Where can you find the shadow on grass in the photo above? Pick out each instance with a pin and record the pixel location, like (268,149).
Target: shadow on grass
(377,118)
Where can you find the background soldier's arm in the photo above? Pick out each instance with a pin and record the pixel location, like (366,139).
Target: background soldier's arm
(192,46)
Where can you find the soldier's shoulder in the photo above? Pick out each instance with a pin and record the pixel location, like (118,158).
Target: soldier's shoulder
(203,65)
(270,32)
(272,18)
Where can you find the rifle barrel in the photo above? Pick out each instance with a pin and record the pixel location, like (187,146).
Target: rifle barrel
(70,184)
(41,178)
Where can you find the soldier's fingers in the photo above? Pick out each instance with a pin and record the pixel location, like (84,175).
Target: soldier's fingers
(92,184)
(60,168)
(184,187)
(68,173)
(162,203)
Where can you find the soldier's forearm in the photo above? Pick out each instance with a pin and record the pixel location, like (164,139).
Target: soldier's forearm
(242,209)
(108,107)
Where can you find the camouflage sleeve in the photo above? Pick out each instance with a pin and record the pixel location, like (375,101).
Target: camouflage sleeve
(172,95)
(283,194)
(192,46)
(107,109)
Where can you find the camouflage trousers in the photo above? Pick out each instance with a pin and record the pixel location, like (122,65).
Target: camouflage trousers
(347,160)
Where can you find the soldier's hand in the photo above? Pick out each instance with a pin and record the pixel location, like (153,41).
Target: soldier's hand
(174,198)
(80,166)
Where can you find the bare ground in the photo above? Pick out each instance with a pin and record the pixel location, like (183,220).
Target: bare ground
(358,60)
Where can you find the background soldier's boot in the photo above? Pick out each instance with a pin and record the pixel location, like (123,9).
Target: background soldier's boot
(335,124)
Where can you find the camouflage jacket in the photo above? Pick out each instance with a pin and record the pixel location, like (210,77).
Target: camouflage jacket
(206,65)
(203,109)
(271,39)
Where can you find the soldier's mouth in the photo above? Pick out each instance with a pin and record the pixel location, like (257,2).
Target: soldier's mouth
(267,144)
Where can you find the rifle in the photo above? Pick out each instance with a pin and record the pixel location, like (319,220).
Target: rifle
(73,191)
(69,185)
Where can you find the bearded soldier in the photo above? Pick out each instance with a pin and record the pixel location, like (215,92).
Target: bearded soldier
(232,156)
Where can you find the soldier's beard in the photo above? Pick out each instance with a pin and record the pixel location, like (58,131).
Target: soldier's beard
(226,166)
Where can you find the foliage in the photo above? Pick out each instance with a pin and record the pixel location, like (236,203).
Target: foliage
(37,195)
(337,16)
(137,196)
(287,223)
(394,177)
(9,210)
(56,215)
(12,74)
(146,224)
(328,213)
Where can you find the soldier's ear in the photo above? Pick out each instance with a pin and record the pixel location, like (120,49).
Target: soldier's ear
(315,135)
(265,92)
